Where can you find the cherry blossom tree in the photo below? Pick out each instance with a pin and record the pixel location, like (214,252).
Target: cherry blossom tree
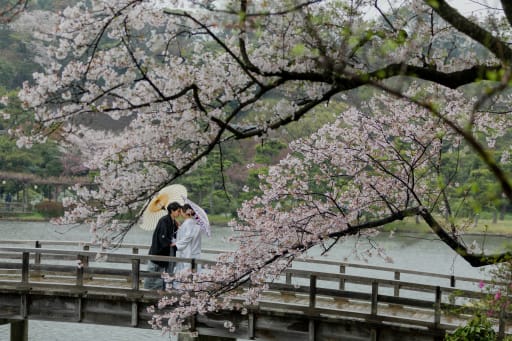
(191,78)
(10,9)
(362,171)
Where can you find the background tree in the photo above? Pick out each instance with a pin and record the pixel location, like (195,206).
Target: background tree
(42,159)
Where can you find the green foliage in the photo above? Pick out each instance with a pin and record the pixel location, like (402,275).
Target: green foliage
(218,183)
(307,125)
(16,64)
(267,151)
(479,328)
(206,182)
(494,303)
(52,5)
(41,159)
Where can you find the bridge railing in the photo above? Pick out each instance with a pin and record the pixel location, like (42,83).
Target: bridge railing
(451,280)
(72,267)
(14,207)
(300,290)
(327,266)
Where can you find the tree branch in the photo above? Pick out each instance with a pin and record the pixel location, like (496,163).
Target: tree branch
(472,30)
(473,259)
(507,8)
(9,11)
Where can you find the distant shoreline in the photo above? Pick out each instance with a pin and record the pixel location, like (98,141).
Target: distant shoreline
(386,230)
(32,220)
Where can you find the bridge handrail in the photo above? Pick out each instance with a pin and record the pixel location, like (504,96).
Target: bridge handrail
(77,276)
(272,286)
(397,272)
(129,258)
(15,207)
(92,255)
(318,275)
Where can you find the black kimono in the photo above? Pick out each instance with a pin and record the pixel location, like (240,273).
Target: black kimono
(163,235)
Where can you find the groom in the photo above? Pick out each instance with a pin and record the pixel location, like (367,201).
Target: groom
(163,236)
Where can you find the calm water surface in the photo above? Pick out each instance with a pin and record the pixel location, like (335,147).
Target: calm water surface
(408,251)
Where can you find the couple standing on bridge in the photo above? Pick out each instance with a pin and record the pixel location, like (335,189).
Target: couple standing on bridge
(170,238)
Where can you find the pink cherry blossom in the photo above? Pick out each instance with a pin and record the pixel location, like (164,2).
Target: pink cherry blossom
(186,79)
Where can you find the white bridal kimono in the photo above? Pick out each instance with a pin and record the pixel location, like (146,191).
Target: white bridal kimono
(188,242)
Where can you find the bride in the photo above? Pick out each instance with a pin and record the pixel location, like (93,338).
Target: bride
(188,239)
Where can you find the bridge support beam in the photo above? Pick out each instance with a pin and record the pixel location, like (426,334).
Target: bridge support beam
(19,330)
(187,337)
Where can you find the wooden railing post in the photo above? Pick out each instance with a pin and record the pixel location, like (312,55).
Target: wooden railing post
(251,332)
(373,334)
(135,314)
(288,278)
(193,323)
(37,260)
(312,330)
(19,330)
(135,273)
(85,260)
(375,297)
(397,285)
(312,291)
(437,307)
(452,284)
(25,267)
(502,322)
(25,258)
(80,270)
(342,280)
(135,286)
(193,265)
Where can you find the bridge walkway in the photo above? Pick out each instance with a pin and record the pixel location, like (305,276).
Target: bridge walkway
(334,303)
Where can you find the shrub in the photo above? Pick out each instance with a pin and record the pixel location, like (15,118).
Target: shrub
(479,328)
(50,209)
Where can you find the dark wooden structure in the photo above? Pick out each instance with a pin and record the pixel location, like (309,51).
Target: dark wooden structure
(39,283)
(20,203)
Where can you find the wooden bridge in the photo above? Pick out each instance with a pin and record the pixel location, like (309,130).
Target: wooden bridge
(12,208)
(40,280)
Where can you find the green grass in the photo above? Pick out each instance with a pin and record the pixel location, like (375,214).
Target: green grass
(485,225)
(25,217)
